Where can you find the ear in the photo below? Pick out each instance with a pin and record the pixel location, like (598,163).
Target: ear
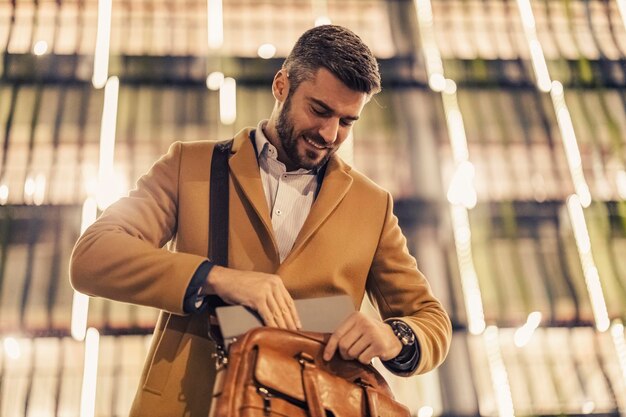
(280,85)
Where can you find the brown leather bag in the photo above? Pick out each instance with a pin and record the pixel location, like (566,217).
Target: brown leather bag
(273,372)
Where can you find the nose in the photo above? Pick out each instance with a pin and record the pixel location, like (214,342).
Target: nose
(330,130)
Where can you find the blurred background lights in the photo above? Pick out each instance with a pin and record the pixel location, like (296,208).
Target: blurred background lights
(4,194)
(40,48)
(228,101)
(322,20)
(215,80)
(525,333)
(12,348)
(425,411)
(266,51)
(437,82)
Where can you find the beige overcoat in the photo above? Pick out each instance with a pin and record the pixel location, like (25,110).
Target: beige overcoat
(349,244)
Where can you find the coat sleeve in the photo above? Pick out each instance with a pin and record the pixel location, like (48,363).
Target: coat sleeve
(399,290)
(122,256)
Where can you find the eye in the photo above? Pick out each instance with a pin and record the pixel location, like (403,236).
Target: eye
(346,122)
(319,112)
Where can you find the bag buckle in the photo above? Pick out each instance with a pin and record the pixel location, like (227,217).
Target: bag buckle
(267,405)
(220,356)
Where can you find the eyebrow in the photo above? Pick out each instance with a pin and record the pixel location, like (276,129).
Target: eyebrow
(329,109)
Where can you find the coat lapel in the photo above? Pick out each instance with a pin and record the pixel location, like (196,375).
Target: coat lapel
(335,185)
(244,167)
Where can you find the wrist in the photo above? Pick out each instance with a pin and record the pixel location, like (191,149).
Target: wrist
(212,280)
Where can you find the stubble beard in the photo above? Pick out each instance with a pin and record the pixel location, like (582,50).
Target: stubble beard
(289,141)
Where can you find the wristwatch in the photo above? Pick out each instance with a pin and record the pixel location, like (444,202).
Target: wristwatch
(403,332)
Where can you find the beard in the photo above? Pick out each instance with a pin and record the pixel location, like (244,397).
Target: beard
(301,158)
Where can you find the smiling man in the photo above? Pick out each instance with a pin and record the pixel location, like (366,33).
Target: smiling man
(303,224)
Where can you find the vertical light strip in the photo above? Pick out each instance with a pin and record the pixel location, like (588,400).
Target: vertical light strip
(434,65)
(80,312)
(106,175)
(215,24)
(592,278)
(461,197)
(4,194)
(103,39)
(499,375)
(80,302)
(90,374)
(572,152)
(537,57)
(40,189)
(469,278)
(621,5)
(617,333)
(228,101)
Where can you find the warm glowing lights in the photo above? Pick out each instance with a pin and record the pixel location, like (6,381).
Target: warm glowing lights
(570,144)
(499,376)
(456,128)
(215,80)
(322,20)
(4,194)
(434,65)
(592,277)
(35,189)
(588,407)
(437,82)
(103,38)
(90,374)
(106,175)
(469,279)
(425,411)
(617,333)
(537,56)
(40,48)
(525,333)
(215,24)
(89,214)
(540,66)
(620,180)
(80,310)
(267,51)
(228,101)
(12,348)
(621,5)
(450,87)
(461,190)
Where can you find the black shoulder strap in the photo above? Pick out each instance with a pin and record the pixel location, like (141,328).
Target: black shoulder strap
(218,204)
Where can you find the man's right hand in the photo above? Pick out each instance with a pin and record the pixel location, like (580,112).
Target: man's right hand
(264,293)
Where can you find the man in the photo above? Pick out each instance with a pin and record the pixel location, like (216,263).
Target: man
(303,224)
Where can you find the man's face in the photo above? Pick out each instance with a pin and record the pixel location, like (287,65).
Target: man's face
(316,119)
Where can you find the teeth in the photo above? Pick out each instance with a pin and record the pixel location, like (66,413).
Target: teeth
(314,144)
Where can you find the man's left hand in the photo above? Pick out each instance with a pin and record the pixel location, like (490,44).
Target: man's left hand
(363,338)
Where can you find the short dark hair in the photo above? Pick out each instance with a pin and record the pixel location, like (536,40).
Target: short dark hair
(340,51)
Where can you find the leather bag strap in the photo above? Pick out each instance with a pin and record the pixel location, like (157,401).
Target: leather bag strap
(311,390)
(218,224)
(218,204)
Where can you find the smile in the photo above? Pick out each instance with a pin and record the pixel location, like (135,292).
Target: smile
(314,144)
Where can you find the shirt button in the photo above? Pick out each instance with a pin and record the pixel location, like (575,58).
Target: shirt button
(278,212)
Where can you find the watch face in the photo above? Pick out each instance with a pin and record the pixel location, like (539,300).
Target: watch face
(403,332)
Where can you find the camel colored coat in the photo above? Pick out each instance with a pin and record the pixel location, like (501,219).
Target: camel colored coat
(349,244)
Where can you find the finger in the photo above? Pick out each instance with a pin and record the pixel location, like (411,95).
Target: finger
(358,347)
(277,314)
(348,340)
(267,316)
(343,328)
(282,299)
(330,348)
(367,355)
(293,312)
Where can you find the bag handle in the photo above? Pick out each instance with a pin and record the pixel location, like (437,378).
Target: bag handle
(218,225)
